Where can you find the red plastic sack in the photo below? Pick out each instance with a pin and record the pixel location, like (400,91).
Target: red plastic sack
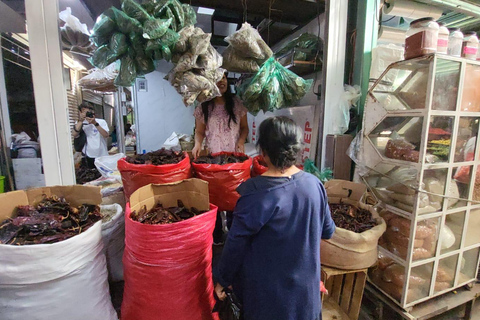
(135,176)
(258,168)
(223,180)
(168,269)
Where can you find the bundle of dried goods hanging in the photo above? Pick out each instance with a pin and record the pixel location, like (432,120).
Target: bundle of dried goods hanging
(52,220)
(161,215)
(352,218)
(221,159)
(157,158)
(84,174)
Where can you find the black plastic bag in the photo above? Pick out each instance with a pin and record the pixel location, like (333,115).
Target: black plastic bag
(230,308)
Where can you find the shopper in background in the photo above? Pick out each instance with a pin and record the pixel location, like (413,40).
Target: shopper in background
(222,121)
(272,253)
(96,131)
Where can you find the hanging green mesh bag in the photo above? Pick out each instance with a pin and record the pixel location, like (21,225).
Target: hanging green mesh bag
(155,28)
(128,72)
(189,14)
(135,10)
(118,45)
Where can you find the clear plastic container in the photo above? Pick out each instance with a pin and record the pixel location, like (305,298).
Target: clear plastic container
(421,38)
(455,41)
(470,45)
(443,34)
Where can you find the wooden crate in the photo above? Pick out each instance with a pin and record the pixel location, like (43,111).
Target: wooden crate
(345,288)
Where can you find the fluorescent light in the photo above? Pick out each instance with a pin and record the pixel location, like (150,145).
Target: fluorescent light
(206,11)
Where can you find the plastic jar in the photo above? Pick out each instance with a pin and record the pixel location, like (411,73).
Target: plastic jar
(443,34)
(455,41)
(421,38)
(470,45)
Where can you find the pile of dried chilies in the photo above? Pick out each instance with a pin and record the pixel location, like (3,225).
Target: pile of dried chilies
(352,218)
(157,158)
(221,159)
(160,215)
(51,220)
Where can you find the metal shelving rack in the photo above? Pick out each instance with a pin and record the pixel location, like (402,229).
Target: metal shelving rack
(425,113)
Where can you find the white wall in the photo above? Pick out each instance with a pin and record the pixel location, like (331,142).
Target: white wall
(161,111)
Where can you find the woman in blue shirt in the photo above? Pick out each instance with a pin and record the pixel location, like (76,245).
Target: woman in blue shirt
(272,253)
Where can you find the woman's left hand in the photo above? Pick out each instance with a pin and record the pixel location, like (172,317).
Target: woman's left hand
(240,147)
(219,292)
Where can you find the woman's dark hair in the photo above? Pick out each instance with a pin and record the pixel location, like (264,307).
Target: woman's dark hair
(229,106)
(280,139)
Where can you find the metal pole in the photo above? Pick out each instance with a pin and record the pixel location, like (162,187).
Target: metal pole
(50,94)
(119,120)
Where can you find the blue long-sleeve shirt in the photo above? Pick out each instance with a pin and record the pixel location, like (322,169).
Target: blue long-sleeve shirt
(272,253)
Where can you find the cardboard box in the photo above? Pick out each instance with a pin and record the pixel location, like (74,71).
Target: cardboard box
(340,190)
(193,193)
(336,156)
(75,195)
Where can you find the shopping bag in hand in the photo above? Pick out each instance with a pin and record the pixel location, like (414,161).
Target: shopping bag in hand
(230,308)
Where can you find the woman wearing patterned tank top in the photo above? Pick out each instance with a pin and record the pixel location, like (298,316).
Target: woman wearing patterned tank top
(222,121)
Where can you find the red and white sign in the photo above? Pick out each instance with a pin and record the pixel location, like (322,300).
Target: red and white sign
(303,116)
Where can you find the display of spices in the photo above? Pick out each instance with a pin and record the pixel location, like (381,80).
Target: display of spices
(161,215)
(221,159)
(52,220)
(84,174)
(439,148)
(352,218)
(157,158)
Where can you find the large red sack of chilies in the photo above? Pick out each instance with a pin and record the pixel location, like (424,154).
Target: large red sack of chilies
(258,168)
(135,176)
(223,180)
(168,267)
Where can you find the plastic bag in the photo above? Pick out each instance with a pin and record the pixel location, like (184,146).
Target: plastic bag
(306,41)
(135,10)
(135,176)
(102,57)
(230,308)
(118,45)
(34,277)
(74,34)
(189,14)
(258,166)
(113,236)
(102,30)
(155,28)
(194,86)
(349,98)
(210,60)
(223,180)
(124,23)
(273,87)
(234,63)
(128,72)
(107,165)
(100,79)
(182,44)
(323,175)
(168,269)
(249,44)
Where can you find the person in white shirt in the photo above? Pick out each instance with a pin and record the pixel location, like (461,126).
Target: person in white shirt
(96,131)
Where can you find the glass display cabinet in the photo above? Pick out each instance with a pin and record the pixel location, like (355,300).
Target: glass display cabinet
(420,154)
